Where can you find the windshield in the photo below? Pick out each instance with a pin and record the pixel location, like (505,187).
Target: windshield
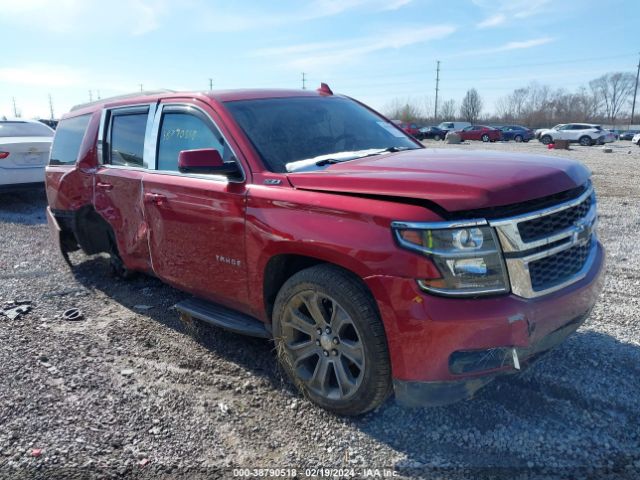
(287,130)
(24,129)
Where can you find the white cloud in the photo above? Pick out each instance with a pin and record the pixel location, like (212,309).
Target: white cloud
(514,45)
(76,16)
(42,76)
(493,21)
(510,9)
(320,55)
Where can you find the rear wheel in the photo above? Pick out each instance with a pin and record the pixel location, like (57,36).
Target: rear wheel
(330,340)
(518,138)
(585,141)
(437,137)
(485,138)
(546,139)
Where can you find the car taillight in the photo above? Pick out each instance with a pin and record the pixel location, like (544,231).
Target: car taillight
(4,155)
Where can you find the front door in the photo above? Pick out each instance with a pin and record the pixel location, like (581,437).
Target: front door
(196,222)
(118,182)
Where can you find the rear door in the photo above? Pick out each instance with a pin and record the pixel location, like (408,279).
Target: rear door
(196,221)
(118,180)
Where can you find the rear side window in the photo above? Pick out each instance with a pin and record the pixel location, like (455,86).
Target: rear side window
(184,131)
(127,139)
(66,144)
(24,129)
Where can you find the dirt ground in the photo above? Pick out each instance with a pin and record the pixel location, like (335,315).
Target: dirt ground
(130,391)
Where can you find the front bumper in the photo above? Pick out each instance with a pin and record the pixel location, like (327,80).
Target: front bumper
(424,331)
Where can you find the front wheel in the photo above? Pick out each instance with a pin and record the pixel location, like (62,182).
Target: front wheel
(585,141)
(546,139)
(330,340)
(437,138)
(485,138)
(518,138)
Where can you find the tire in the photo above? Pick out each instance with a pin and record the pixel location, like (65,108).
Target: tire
(437,138)
(525,141)
(485,138)
(337,356)
(585,141)
(517,138)
(546,139)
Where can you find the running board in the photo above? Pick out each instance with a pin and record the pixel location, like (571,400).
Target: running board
(223,317)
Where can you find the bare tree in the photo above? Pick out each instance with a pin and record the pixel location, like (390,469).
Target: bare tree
(405,110)
(614,90)
(471,106)
(448,110)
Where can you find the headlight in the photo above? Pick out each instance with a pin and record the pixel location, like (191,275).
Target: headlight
(466,254)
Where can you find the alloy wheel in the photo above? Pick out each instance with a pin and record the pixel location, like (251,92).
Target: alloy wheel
(323,345)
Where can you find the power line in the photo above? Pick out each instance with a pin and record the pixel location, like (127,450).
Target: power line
(635,91)
(542,64)
(435,115)
(51,107)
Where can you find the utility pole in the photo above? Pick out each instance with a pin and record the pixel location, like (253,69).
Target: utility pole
(51,107)
(304,81)
(90,96)
(15,110)
(435,115)
(635,91)
(98,94)
(140,87)
(211,84)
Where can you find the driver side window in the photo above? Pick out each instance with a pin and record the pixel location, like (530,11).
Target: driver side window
(185,131)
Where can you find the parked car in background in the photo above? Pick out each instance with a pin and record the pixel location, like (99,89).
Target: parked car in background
(516,133)
(24,151)
(636,139)
(434,133)
(480,132)
(585,134)
(627,134)
(410,128)
(453,126)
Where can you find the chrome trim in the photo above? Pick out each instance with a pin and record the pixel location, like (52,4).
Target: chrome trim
(104,130)
(547,211)
(439,225)
(511,241)
(521,278)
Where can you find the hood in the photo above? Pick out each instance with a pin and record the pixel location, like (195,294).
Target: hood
(454,179)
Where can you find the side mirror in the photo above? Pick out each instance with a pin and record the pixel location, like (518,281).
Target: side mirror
(205,160)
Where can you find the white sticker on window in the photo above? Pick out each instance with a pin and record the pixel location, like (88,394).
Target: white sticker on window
(391,129)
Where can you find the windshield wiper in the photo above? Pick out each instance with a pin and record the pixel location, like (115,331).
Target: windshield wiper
(333,158)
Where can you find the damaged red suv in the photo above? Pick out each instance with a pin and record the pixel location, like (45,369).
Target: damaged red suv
(376,265)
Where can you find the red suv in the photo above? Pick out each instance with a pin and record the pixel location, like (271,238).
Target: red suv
(480,132)
(410,128)
(374,264)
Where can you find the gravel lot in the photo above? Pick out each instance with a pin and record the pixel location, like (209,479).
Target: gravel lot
(130,391)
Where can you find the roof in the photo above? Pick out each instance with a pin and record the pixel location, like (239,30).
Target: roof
(218,95)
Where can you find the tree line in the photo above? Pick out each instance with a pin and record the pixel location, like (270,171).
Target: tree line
(606,99)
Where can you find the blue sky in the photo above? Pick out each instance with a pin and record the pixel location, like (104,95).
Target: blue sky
(374,50)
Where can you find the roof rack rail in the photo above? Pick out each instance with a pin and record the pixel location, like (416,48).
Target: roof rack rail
(122,97)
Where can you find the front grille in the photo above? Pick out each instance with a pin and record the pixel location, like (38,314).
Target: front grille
(547,225)
(558,268)
(549,249)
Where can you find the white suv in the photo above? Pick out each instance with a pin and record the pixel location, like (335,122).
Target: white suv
(636,139)
(583,133)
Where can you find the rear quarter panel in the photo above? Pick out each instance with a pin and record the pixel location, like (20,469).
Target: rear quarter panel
(69,187)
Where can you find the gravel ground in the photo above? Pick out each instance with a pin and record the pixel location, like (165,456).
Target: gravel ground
(130,391)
